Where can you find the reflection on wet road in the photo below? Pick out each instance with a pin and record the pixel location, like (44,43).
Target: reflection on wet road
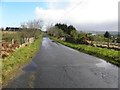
(58,66)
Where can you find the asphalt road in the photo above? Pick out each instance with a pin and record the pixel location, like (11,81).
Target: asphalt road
(57,66)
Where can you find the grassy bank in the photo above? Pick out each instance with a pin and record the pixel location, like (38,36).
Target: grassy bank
(20,57)
(109,55)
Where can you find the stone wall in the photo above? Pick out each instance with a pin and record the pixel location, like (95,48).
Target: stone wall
(7,48)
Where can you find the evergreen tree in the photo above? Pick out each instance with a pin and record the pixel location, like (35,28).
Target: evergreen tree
(107,34)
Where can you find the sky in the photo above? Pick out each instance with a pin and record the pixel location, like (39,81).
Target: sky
(87,15)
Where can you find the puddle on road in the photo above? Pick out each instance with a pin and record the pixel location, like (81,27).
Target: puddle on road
(105,64)
(107,71)
(45,42)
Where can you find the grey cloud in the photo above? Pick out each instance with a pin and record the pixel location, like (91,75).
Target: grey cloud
(109,26)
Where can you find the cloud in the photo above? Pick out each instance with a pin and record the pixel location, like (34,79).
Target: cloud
(107,26)
(79,12)
(49,16)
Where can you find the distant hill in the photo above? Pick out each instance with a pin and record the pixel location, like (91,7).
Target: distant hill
(102,32)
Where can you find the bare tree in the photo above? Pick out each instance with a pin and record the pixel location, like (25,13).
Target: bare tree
(35,24)
(23,25)
(31,28)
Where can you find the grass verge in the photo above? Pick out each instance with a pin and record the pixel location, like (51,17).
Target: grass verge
(109,55)
(20,57)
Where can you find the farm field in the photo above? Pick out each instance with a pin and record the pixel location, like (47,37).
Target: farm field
(12,40)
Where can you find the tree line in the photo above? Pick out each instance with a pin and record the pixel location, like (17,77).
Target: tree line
(72,35)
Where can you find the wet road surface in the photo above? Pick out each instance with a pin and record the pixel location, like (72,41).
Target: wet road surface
(57,66)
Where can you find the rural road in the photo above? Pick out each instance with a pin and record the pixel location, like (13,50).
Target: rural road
(57,66)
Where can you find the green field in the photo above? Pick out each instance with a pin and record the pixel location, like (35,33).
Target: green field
(109,55)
